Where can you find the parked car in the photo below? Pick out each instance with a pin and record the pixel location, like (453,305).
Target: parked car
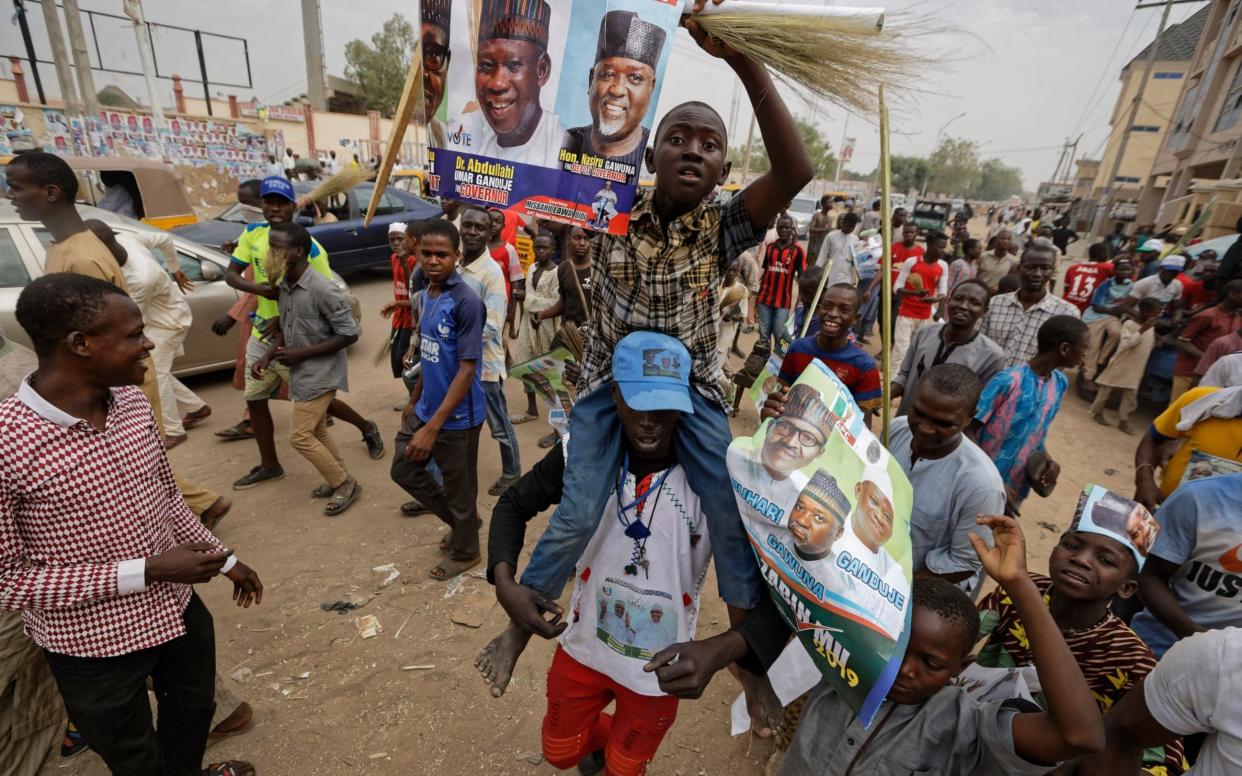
(1218,244)
(23,249)
(350,245)
(802,208)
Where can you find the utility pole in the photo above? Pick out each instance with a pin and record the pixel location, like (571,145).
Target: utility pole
(81,59)
(1107,195)
(133,9)
(60,58)
(750,139)
(845,127)
(312,34)
(19,12)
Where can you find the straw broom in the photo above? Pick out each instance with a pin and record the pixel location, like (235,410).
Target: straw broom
(411,100)
(834,53)
(341,182)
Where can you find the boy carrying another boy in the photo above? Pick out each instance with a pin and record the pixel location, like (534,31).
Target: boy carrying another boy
(1095,560)
(316,326)
(442,421)
(637,583)
(665,275)
(927,724)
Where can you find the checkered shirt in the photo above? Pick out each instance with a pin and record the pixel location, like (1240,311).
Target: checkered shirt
(668,282)
(76,502)
(1016,329)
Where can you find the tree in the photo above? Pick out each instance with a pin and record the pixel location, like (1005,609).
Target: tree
(379,68)
(909,173)
(996,181)
(954,166)
(823,161)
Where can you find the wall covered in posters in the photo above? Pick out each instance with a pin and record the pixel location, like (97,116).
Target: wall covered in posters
(229,146)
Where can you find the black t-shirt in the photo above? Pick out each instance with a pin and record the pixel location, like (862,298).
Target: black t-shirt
(574,309)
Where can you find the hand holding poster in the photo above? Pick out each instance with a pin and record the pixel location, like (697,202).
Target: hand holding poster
(545,376)
(548,108)
(827,511)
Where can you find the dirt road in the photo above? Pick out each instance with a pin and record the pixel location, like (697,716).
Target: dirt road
(328,701)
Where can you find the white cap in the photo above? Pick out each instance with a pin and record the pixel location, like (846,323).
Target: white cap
(1152,246)
(396,226)
(1174,262)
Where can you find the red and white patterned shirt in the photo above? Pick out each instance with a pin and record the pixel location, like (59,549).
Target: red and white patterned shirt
(80,511)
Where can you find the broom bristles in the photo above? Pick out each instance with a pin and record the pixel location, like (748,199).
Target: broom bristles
(341,182)
(825,56)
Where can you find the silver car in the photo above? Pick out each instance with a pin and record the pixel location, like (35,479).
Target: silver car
(22,252)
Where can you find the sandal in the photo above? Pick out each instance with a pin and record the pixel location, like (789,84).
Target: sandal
(340,503)
(192,419)
(449,568)
(525,417)
(215,513)
(241,721)
(446,543)
(230,768)
(235,433)
(375,443)
(323,491)
(499,487)
(73,742)
(549,441)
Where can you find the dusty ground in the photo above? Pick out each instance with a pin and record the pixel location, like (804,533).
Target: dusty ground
(358,711)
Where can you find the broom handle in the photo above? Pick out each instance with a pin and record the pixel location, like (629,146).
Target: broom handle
(867,19)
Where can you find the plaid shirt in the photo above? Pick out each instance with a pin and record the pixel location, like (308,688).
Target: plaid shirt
(668,282)
(80,511)
(1016,329)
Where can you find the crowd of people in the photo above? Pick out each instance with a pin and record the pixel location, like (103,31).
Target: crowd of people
(101,542)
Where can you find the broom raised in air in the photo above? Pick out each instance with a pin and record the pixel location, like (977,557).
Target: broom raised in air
(341,182)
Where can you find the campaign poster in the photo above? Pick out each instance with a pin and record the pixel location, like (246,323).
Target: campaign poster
(545,375)
(827,512)
(544,106)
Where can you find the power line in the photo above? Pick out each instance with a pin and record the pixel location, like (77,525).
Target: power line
(1092,102)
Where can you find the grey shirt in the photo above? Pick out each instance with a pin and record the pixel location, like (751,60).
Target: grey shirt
(949,493)
(311,311)
(949,733)
(980,355)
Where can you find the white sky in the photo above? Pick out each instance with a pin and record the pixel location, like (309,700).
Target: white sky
(1025,72)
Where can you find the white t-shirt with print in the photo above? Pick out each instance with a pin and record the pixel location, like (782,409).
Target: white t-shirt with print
(618,621)
(1197,688)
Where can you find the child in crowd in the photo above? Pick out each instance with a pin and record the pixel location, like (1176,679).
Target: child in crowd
(1096,560)
(783,261)
(928,724)
(838,311)
(1018,405)
(733,294)
(446,409)
(637,582)
(403,263)
(921,285)
(1126,366)
(534,332)
(316,325)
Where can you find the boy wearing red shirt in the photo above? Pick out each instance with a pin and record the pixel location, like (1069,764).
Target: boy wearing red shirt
(921,284)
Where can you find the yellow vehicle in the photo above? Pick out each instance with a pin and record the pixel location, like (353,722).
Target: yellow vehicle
(410,181)
(159,199)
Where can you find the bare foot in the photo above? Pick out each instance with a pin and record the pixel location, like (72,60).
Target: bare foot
(761,703)
(496,661)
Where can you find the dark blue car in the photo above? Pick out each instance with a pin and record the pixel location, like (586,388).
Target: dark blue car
(350,245)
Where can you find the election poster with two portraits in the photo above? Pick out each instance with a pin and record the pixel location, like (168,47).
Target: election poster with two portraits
(544,107)
(827,511)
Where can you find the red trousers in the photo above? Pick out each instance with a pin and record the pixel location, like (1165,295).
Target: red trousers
(576,724)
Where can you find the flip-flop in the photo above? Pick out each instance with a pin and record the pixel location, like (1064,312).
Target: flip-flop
(446,543)
(192,419)
(230,768)
(525,417)
(234,434)
(549,441)
(450,568)
(339,504)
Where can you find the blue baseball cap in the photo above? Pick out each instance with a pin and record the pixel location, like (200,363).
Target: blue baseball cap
(278,185)
(653,372)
